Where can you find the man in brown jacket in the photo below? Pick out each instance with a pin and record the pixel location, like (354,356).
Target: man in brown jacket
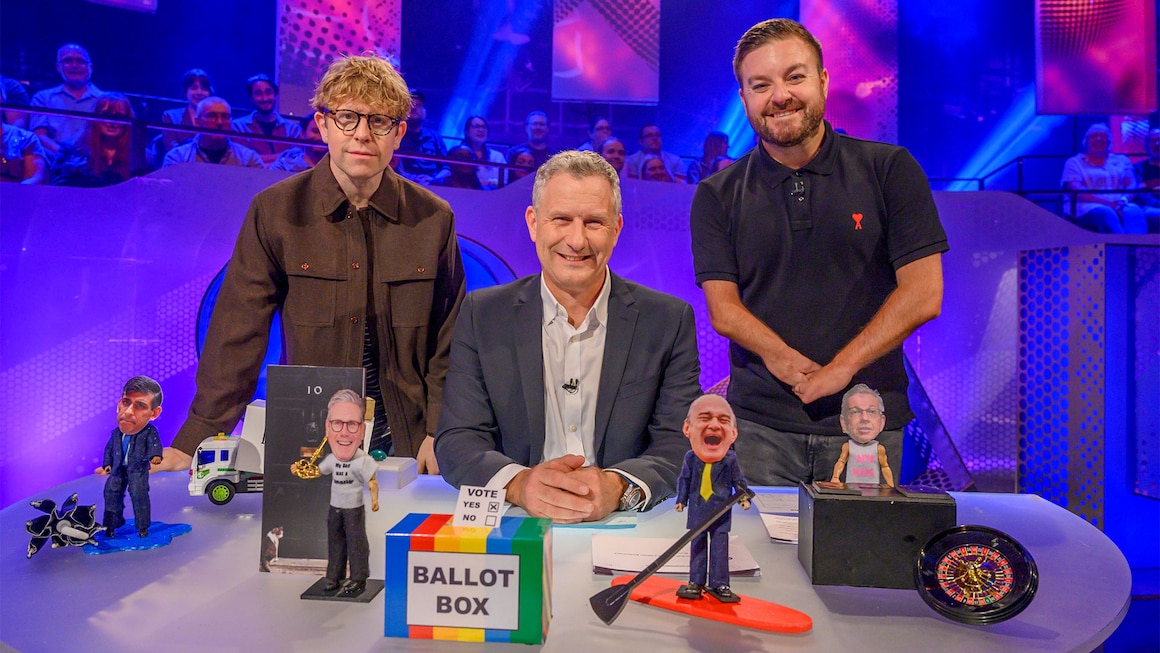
(363,265)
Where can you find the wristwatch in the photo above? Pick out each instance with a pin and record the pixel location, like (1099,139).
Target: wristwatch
(633,497)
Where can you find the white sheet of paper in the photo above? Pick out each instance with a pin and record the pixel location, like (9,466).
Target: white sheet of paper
(479,507)
(777,503)
(783,528)
(613,554)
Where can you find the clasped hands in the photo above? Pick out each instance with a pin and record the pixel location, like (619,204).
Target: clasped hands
(566,491)
(808,380)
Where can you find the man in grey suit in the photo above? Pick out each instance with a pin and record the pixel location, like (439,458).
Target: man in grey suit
(568,388)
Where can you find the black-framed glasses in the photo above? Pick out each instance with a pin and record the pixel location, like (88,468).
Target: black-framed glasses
(338,425)
(855,413)
(347,121)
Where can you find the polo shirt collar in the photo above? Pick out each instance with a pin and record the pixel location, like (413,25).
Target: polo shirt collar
(822,163)
(329,196)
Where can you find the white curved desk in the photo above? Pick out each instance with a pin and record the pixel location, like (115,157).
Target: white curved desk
(203,592)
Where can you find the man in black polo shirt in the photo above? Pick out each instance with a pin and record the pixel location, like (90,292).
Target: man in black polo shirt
(818,254)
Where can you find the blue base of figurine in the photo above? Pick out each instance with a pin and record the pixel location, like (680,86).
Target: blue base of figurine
(125,538)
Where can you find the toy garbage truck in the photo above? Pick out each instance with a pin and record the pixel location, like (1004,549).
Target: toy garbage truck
(224,465)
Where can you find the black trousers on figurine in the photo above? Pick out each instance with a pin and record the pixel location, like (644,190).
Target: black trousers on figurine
(115,486)
(346,539)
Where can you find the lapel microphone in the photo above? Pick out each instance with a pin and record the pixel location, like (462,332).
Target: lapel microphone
(571,386)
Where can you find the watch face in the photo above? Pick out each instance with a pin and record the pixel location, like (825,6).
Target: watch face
(976,575)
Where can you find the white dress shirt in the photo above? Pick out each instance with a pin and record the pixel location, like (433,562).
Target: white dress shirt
(573,357)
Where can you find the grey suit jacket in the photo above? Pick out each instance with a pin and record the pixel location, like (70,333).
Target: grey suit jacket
(493,398)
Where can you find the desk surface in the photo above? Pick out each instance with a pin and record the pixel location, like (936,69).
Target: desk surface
(203,591)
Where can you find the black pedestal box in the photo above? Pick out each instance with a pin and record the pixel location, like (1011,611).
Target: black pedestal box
(868,537)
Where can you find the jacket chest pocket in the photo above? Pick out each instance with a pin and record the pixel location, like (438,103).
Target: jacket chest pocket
(312,292)
(410,289)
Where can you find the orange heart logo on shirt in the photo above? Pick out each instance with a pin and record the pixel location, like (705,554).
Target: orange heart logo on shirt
(857,221)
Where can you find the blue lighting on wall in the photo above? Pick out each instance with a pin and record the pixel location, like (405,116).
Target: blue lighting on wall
(1019,132)
(501,29)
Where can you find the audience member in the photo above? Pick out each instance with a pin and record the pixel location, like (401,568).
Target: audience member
(1148,180)
(421,140)
(716,146)
(613,152)
(196,86)
(520,156)
(599,128)
(214,113)
(650,144)
(463,175)
(23,158)
(13,92)
(1097,168)
(103,155)
(266,120)
(536,125)
(475,131)
(77,93)
(654,169)
(297,159)
(720,163)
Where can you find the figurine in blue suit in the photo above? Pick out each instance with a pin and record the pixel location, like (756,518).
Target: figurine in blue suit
(132,448)
(707,481)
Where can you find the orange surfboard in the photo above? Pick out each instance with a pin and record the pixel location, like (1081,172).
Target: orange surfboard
(750,612)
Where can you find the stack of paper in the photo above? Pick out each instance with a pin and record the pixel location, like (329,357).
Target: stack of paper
(779,514)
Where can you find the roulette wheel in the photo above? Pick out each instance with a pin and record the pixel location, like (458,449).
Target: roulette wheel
(976,575)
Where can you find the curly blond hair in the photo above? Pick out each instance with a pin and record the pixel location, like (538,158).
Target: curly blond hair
(368,79)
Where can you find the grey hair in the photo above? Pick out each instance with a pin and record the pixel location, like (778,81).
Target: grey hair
(349,397)
(213,99)
(144,385)
(579,165)
(862,389)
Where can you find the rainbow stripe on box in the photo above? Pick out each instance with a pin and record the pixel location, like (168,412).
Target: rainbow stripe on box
(528,538)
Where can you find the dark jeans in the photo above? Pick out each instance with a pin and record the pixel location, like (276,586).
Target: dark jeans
(346,539)
(138,486)
(771,457)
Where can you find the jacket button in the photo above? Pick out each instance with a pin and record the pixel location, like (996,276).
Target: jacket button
(421,269)
(354,319)
(305,267)
(354,265)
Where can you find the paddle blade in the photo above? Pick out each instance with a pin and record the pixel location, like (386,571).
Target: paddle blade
(609,603)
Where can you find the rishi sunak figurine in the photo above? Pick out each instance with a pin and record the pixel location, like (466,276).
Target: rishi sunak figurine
(863,457)
(707,481)
(133,448)
(350,469)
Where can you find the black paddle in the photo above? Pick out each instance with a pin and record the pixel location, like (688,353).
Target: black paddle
(609,603)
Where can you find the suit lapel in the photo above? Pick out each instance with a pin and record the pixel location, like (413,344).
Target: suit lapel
(528,331)
(617,344)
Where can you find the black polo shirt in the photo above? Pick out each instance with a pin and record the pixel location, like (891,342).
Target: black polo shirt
(813,253)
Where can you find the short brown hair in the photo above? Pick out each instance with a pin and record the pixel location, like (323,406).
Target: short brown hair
(774,29)
(367,79)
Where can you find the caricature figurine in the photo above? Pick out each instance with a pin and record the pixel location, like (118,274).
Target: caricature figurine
(863,457)
(706,482)
(133,446)
(350,468)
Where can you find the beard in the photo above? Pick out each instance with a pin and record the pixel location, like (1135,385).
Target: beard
(811,120)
